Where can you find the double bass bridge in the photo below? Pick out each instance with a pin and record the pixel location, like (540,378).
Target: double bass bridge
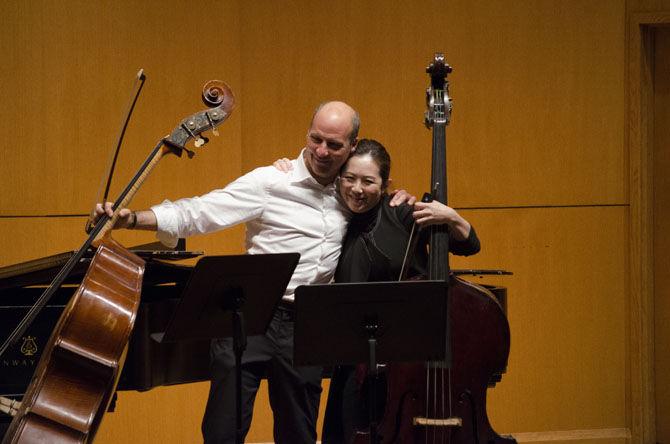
(437,422)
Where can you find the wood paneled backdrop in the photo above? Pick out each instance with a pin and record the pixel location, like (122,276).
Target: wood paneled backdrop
(537,158)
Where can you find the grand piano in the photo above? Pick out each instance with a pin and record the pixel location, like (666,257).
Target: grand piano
(148,364)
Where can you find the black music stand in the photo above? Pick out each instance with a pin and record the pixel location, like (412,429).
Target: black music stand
(371,322)
(231,296)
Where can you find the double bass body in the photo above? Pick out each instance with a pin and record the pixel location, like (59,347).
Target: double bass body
(75,378)
(427,401)
(82,361)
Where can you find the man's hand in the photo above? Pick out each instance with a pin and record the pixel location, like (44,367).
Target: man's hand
(284,165)
(126,219)
(399,197)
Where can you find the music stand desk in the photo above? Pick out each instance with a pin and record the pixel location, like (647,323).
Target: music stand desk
(231,296)
(331,319)
(371,322)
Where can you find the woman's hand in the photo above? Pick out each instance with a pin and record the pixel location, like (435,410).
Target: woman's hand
(437,213)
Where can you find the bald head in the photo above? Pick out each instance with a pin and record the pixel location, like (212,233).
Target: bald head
(335,110)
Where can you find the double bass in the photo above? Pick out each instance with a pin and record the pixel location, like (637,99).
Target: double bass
(445,402)
(77,374)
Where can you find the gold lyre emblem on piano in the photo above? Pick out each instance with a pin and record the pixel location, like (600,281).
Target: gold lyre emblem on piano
(29,346)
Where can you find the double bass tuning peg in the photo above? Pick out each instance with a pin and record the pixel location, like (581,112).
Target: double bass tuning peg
(211,123)
(200,141)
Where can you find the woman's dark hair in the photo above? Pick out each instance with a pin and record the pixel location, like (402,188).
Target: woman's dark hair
(378,153)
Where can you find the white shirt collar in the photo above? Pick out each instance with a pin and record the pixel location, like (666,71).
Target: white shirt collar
(302,174)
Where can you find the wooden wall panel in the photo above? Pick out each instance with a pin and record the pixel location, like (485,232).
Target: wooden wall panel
(648,389)
(535,121)
(634,6)
(661,245)
(161,415)
(66,84)
(593,438)
(566,308)
(173,415)
(23,239)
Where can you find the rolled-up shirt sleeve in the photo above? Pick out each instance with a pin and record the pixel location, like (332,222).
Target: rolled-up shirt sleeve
(240,201)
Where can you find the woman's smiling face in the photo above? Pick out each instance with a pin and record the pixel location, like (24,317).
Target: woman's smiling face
(360,183)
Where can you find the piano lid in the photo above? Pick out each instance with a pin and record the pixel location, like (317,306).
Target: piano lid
(41,271)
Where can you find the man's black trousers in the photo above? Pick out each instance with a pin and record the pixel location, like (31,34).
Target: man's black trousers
(294,392)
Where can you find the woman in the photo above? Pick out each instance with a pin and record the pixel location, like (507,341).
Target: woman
(373,250)
(375,244)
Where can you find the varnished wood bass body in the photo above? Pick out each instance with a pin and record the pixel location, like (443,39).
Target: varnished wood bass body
(76,376)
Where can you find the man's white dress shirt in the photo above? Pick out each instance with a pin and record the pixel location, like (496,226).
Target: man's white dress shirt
(284,213)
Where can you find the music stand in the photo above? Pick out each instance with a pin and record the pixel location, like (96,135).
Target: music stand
(374,322)
(231,296)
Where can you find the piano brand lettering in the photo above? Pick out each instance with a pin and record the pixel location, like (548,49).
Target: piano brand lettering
(18,363)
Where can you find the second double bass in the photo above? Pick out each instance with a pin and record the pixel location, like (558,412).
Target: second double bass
(445,402)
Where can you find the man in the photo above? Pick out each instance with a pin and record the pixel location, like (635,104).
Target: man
(295,212)
(299,212)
